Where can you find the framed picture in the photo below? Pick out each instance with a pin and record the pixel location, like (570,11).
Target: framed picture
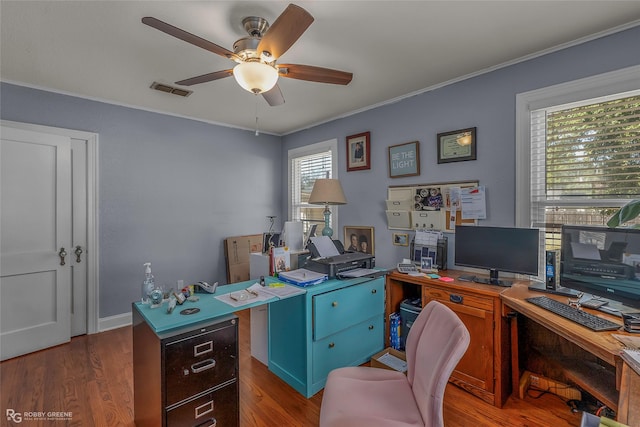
(400,239)
(359,152)
(457,146)
(426,264)
(359,239)
(404,159)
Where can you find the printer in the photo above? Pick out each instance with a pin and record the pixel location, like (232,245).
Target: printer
(338,262)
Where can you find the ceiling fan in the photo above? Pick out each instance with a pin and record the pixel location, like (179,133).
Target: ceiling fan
(256,55)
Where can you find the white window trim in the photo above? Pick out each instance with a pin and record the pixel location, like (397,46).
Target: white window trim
(619,81)
(318,147)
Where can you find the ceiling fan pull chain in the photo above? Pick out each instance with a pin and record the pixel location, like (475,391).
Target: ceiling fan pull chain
(256,97)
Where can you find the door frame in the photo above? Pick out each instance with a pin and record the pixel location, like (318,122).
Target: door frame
(92,253)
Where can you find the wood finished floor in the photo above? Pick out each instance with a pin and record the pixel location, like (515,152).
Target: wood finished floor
(92,377)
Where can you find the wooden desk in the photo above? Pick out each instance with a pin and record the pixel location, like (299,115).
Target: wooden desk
(586,358)
(484,369)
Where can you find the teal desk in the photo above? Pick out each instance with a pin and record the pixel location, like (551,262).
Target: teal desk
(336,323)
(210,307)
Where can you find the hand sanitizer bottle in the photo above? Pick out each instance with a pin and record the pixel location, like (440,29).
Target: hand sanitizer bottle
(148,285)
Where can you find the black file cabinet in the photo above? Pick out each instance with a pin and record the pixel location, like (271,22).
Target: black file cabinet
(187,376)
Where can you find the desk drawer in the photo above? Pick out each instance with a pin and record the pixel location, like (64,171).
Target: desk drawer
(340,309)
(456,297)
(215,408)
(200,361)
(349,347)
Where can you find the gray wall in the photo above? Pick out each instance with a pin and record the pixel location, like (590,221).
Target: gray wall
(486,102)
(171,189)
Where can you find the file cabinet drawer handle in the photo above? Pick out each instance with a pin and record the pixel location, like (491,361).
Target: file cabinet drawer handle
(331,345)
(455,298)
(373,291)
(205,408)
(334,304)
(370,327)
(204,348)
(203,366)
(214,423)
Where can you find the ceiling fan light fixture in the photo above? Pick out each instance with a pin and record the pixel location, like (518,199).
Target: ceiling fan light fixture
(255,77)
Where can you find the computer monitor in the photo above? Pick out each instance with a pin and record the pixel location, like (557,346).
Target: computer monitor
(602,261)
(513,250)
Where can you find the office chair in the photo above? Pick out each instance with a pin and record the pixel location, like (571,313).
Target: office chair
(374,397)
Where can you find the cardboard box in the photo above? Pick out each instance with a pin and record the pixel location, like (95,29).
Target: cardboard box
(375,362)
(237,251)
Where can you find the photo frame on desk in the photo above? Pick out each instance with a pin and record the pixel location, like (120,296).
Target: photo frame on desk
(359,152)
(359,239)
(457,145)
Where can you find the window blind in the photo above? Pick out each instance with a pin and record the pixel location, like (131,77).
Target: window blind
(585,160)
(305,170)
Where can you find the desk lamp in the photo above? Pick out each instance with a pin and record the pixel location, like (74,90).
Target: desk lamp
(327,192)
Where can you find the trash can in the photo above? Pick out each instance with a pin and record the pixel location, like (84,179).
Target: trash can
(409,310)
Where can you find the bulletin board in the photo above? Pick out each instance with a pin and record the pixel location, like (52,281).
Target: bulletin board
(434,198)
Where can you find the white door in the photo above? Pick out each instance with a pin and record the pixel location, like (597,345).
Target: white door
(35,227)
(78,260)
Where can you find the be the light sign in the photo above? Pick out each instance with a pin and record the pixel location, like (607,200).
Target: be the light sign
(404,159)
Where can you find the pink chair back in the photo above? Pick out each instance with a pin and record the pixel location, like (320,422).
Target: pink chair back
(436,342)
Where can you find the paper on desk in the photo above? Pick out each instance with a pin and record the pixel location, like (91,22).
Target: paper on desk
(325,246)
(359,272)
(628,341)
(280,292)
(249,298)
(393,362)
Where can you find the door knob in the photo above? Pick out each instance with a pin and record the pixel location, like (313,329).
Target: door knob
(78,252)
(62,254)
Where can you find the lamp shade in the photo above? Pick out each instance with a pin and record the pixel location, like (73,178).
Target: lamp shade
(255,77)
(327,191)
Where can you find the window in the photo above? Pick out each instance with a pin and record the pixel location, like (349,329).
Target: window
(306,164)
(578,152)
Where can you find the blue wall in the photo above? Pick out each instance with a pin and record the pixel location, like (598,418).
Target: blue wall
(486,102)
(171,189)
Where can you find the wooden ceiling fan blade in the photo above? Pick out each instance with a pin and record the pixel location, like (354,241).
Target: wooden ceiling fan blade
(274,96)
(216,75)
(284,32)
(314,74)
(188,37)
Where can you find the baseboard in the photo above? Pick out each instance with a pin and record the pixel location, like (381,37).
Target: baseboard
(113,322)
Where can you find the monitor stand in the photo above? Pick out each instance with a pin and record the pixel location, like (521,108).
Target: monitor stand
(542,287)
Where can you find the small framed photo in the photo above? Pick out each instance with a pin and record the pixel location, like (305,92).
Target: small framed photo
(400,239)
(457,145)
(426,264)
(404,159)
(359,152)
(359,239)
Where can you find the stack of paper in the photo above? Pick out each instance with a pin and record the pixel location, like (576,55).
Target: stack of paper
(632,357)
(302,277)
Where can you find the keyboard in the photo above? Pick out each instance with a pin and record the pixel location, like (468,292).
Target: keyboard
(583,318)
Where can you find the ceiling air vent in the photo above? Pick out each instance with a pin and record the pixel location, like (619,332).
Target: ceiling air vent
(170,89)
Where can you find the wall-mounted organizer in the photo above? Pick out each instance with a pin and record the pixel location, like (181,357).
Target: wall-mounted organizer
(424,206)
